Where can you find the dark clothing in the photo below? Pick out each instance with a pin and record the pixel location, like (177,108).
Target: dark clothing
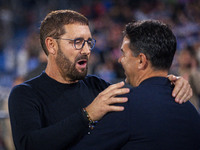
(152,120)
(46,114)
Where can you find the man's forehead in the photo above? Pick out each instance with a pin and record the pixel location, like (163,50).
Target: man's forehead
(76,26)
(77,29)
(125,41)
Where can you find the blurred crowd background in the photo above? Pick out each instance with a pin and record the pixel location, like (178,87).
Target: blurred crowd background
(21,56)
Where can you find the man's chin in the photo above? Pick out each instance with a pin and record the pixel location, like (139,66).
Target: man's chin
(81,70)
(81,75)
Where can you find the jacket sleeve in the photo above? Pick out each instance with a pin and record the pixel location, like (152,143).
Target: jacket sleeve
(26,122)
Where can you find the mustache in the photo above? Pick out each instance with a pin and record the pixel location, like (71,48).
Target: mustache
(81,57)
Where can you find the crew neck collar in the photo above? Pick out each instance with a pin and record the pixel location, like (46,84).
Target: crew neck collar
(156,81)
(59,84)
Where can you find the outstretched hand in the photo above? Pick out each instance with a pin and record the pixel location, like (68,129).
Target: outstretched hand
(102,103)
(182,90)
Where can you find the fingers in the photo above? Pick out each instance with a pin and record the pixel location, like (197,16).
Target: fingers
(116,108)
(173,78)
(109,97)
(182,90)
(116,92)
(177,88)
(113,86)
(115,100)
(187,95)
(102,104)
(183,98)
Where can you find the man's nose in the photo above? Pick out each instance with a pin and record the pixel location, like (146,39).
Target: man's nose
(86,49)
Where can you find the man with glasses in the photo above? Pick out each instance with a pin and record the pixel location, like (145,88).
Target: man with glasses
(79,43)
(54,110)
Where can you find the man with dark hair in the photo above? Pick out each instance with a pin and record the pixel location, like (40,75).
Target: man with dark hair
(55,109)
(151,119)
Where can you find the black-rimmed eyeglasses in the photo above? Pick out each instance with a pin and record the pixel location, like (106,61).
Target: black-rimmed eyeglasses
(80,42)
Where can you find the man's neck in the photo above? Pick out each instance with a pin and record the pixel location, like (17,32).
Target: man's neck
(56,74)
(149,74)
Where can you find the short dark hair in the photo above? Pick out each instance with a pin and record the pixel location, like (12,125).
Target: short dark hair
(153,38)
(52,25)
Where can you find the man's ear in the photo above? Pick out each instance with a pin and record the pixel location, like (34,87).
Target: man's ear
(143,63)
(51,45)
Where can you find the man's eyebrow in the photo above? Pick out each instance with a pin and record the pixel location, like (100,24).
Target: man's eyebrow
(78,37)
(81,37)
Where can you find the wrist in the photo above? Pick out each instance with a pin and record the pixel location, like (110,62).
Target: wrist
(91,123)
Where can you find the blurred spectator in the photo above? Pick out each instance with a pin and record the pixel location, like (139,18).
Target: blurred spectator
(197,50)
(40,67)
(6,142)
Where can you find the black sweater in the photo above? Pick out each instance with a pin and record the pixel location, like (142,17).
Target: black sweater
(46,114)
